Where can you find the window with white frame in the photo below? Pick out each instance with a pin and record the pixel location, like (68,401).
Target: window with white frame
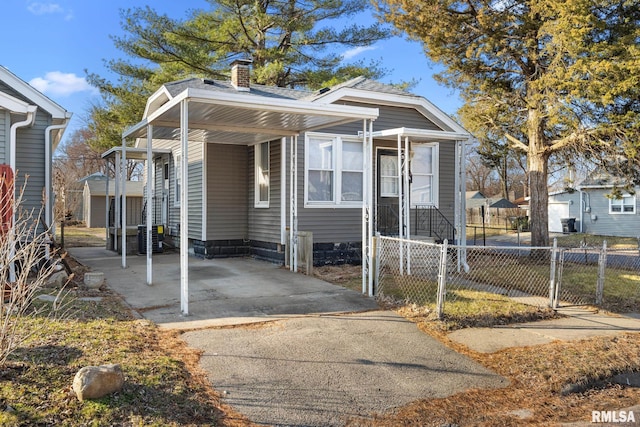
(424,174)
(624,205)
(262,175)
(177,179)
(333,170)
(389,181)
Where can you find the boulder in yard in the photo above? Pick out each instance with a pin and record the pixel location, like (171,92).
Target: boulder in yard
(93,279)
(57,279)
(94,382)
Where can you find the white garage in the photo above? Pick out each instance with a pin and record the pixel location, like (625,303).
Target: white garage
(557,210)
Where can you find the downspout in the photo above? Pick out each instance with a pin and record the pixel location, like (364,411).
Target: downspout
(582,207)
(48,212)
(29,121)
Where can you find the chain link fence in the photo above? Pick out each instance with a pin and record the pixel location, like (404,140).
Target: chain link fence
(449,276)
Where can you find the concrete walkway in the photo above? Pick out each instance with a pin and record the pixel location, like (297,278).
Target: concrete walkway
(321,354)
(579,323)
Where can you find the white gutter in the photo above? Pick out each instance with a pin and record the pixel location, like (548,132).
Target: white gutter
(48,211)
(31,116)
(29,121)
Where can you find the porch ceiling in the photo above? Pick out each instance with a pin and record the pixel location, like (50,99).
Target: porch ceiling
(242,118)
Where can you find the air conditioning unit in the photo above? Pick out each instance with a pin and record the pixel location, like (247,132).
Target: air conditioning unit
(157,236)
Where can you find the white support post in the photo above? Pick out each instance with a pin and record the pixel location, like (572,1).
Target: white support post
(365,209)
(401,205)
(370,183)
(294,205)
(406,201)
(184,206)
(291,203)
(367,196)
(123,210)
(106,203)
(283,191)
(149,205)
(116,201)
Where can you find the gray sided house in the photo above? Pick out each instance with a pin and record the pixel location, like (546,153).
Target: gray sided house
(94,202)
(264,160)
(604,215)
(31,126)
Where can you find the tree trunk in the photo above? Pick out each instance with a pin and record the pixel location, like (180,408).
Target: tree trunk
(538,189)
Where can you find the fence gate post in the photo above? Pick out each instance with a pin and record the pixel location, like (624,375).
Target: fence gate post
(602,264)
(552,274)
(442,279)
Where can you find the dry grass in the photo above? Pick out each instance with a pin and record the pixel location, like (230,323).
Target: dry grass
(548,384)
(540,378)
(79,236)
(164,385)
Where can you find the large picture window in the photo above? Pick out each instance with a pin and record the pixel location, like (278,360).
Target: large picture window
(333,170)
(262,175)
(624,205)
(423,173)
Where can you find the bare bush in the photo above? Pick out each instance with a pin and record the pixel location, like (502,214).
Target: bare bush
(26,263)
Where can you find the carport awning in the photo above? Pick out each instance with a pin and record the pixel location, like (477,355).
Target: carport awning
(242,118)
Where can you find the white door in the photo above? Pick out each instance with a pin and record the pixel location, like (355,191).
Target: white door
(557,211)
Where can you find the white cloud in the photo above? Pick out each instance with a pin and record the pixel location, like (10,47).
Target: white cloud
(38,8)
(61,84)
(357,51)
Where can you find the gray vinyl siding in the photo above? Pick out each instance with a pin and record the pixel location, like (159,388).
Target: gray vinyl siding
(5,126)
(607,224)
(195,214)
(264,223)
(30,161)
(227,191)
(389,118)
(333,225)
(196,160)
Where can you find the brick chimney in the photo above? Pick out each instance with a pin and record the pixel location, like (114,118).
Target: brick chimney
(240,74)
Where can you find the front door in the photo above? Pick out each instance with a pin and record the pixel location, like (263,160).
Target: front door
(388,192)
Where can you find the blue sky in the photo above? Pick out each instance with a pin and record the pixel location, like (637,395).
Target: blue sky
(54,42)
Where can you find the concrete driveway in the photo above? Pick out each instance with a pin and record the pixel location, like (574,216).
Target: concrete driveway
(322,354)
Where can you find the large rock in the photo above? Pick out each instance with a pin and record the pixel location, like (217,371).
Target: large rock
(93,382)
(57,279)
(93,279)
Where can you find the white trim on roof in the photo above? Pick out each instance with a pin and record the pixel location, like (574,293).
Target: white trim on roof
(247,101)
(37,97)
(421,134)
(423,105)
(12,104)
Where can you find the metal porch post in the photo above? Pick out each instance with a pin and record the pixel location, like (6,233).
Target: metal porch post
(123,211)
(149,205)
(401,205)
(367,193)
(406,197)
(184,223)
